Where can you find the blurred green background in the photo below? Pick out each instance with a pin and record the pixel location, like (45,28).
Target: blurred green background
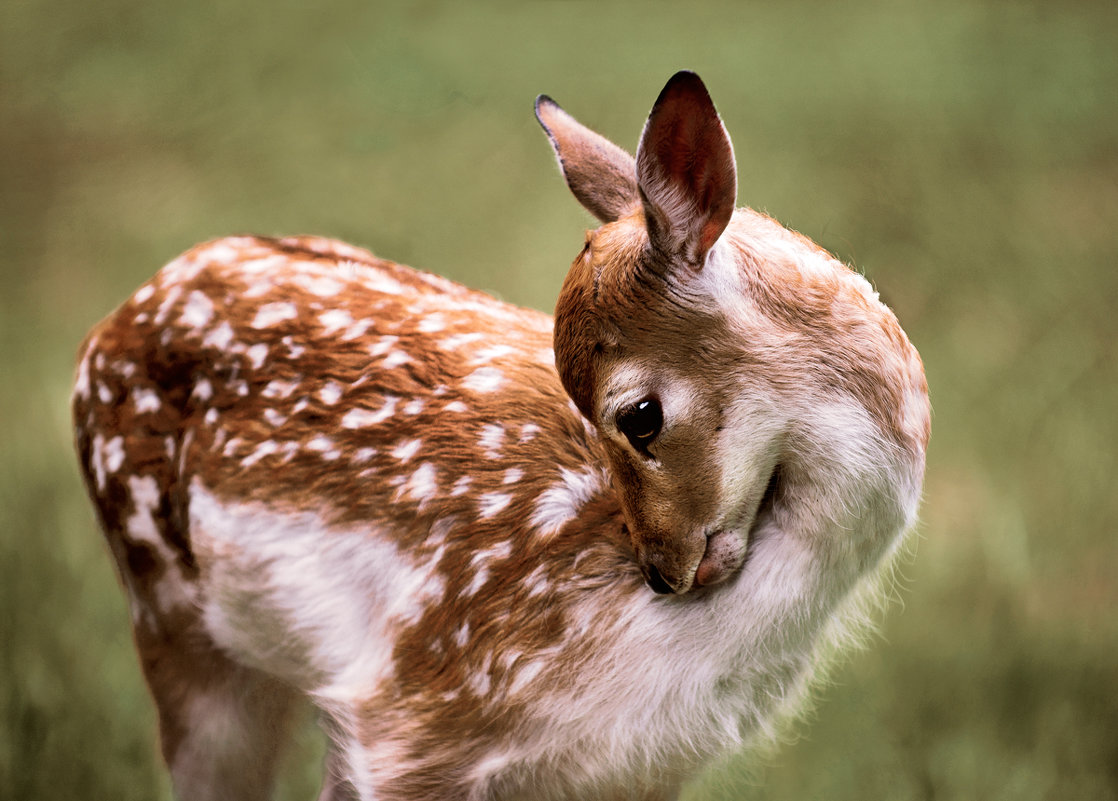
(964,155)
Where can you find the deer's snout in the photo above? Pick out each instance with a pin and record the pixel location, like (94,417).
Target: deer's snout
(669,569)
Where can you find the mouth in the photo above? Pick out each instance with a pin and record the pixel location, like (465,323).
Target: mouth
(726,548)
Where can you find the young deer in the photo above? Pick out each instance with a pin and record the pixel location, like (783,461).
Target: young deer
(325,475)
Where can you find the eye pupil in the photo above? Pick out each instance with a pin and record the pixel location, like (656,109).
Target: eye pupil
(641,423)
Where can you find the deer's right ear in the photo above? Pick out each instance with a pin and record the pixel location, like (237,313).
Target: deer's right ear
(600,174)
(686,172)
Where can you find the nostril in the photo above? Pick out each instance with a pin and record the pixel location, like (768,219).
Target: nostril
(656,581)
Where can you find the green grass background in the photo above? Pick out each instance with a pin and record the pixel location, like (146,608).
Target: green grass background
(964,155)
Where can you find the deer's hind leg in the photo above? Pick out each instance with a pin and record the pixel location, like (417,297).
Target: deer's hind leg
(223,725)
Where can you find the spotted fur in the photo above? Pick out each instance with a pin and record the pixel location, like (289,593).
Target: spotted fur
(323,474)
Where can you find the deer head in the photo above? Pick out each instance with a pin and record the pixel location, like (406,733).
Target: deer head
(700,340)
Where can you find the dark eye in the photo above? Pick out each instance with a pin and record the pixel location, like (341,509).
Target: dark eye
(641,422)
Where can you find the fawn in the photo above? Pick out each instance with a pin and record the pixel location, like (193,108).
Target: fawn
(505,558)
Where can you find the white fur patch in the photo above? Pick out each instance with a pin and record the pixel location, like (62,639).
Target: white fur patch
(203,390)
(145,400)
(272,313)
(484,379)
(331,392)
(278,388)
(219,336)
(422,485)
(491,440)
(491,503)
(561,502)
(394,359)
(407,449)
(319,606)
(197,311)
(257,354)
(363,418)
(114,454)
(334,320)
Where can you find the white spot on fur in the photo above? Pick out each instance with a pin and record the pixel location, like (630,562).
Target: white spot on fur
(259,288)
(145,400)
(362,455)
(197,311)
(561,502)
(378,281)
(278,388)
(462,635)
(257,354)
(383,345)
(456,341)
(395,359)
(334,320)
(114,454)
(407,449)
(123,368)
(537,582)
(319,285)
(491,503)
(528,432)
(491,440)
(422,485)
(484,379)
(490,353)
(219,336)
(432,323)
(211,416)
(273,417)
(461,486)
(203,390)
(413,407)
(477,582)
(104,394)
(97,461)
(169,301)
(320,443)
(82,383)
(265,448)
(144,293)
(456,406)
(512,475)
(271,313)
(294,349)
(362,418)
(357,329)
(331,392)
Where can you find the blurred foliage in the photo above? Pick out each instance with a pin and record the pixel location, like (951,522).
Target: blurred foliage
(964,155)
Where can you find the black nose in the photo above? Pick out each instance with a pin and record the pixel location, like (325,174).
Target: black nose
(656,581)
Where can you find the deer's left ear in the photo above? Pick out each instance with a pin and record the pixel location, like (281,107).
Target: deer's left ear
(685,171)
(599,173)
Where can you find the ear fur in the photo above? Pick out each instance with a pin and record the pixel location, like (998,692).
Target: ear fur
(601,175)
(685,171)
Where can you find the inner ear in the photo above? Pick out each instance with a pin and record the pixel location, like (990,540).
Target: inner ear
(685,171)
